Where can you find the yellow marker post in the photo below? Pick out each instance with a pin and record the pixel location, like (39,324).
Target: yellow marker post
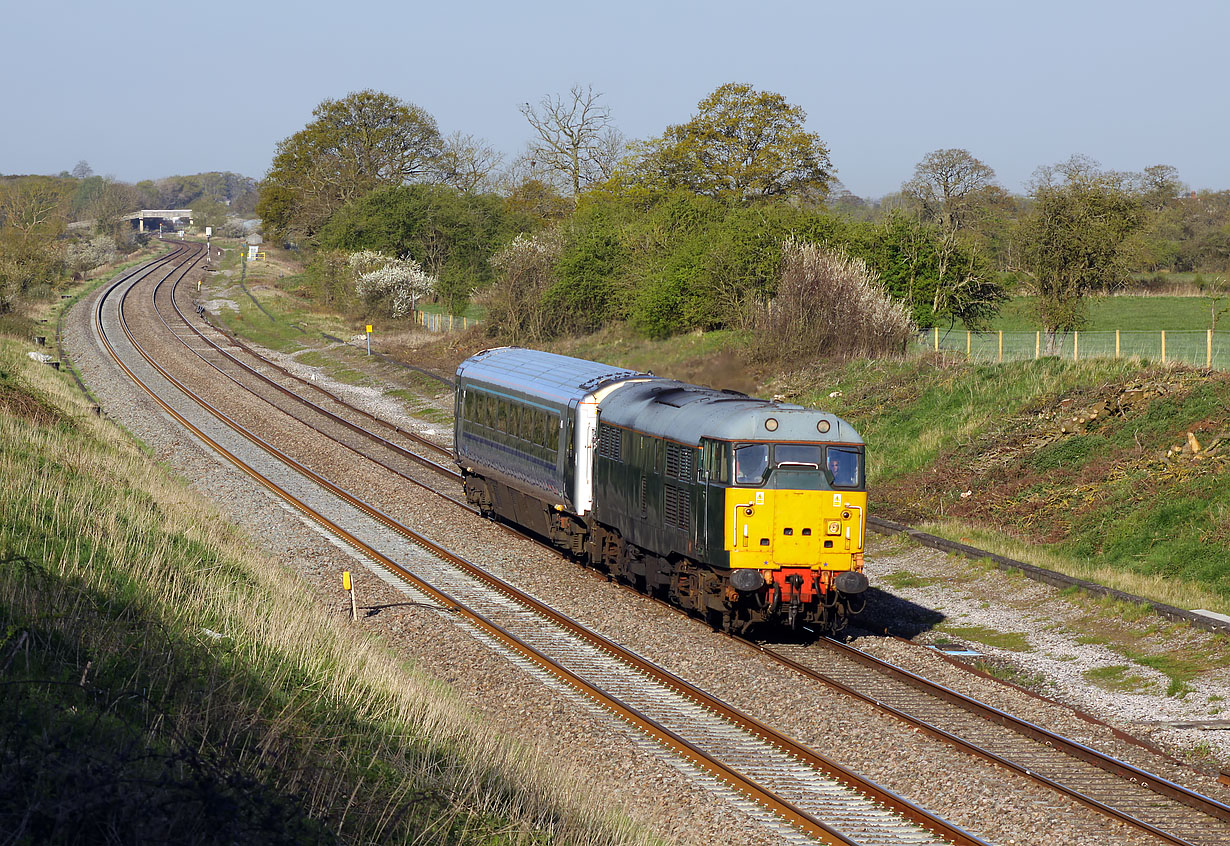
(348,586)
(369,339)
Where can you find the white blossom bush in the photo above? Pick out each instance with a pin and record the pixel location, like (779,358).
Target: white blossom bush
(525,270)
(396,283)
(828,303)
(82,256)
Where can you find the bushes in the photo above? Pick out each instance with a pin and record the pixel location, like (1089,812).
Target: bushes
(676,262)
(526,269)
(828,303)
(450,233)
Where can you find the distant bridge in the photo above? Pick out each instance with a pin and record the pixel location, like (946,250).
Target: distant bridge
(172,216)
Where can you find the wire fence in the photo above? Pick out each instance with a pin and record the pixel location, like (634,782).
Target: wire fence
(1200,348)
(434,322)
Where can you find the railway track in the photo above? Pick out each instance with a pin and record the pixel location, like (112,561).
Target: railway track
(815,795)
(1112,787)
(1152,804)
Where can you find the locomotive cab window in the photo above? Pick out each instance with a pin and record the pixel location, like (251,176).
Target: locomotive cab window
(844,467)
(751,464)
(807,456)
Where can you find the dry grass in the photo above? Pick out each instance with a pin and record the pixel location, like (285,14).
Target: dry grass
(202,695)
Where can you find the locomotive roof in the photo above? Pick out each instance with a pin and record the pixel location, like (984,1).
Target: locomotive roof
(686,413)
(558,378)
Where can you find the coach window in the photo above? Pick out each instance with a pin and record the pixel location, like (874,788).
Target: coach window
(751,463)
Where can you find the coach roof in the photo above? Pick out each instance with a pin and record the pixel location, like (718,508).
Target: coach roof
(558,378)
(686,413)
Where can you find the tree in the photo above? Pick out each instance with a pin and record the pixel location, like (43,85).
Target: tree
(353,145)
(945,185)
(576,140)
(82,170)
(1159,185)
(1073,239)
(466,162)
(452,234)
(114,200)
(743,144)
(33,212)
(939,277)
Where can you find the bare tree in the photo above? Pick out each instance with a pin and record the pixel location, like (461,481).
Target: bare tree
(576,140)
(944,184)
(467,163)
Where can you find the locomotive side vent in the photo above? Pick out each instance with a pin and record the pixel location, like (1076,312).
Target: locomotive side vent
(676,508)
(679,462)
(610,443)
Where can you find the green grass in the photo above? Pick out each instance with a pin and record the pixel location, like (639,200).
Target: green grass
(1119,678)
(1014,641)
(1125,312)
(1009,673)
(902,580)
(251,323)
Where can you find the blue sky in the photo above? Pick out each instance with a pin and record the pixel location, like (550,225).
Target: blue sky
(1018,84)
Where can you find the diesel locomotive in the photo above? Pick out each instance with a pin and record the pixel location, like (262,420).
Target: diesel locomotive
(737,509)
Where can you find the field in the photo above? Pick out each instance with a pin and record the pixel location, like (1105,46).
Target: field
(1126,312)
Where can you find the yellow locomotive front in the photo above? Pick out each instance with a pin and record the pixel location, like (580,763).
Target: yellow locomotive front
(794,515)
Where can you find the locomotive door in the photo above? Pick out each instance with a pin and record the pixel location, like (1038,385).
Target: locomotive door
(710,510)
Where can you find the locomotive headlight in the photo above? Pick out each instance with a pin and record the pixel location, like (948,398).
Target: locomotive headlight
(845,515)
(834,527)
(771,424)
(822,426)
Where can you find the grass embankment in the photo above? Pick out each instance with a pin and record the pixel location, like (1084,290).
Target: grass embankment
(162,681)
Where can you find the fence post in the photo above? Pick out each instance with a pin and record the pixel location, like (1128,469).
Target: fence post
(1163,346)
(1038,345)
(937,338)
(1001,345)
(1076,345)
(967,336)
(1208,349)
(1116,343)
